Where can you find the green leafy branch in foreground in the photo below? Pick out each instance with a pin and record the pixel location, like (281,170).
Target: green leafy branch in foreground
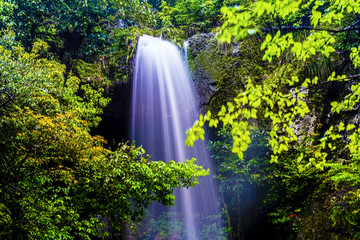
(315,165)
(280,108)
(257,17)
(278,104)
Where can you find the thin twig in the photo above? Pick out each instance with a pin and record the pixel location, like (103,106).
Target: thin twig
(292,28)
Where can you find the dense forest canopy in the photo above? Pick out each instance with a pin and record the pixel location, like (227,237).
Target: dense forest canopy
(289,128)
(55,176)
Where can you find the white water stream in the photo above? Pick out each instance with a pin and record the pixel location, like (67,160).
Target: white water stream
(163,107)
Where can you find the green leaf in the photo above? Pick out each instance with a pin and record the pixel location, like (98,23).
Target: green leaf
(349,127)
(341,126)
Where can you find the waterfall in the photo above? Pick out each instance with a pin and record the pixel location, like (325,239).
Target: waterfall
(186,49)
(163,107)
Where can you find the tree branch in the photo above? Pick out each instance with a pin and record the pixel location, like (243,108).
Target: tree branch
(10,98)
(5,183)
(354,76)
(330,82)
(292,28)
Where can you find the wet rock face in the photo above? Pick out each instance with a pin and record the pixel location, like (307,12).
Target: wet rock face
(306,124)
(328,218)
(220,70)
(203,80)
(200,42)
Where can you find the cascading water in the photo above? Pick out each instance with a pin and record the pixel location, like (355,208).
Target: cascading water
(163,107)
(186,48)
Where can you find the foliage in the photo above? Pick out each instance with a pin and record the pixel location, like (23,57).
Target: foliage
(92,31)
(76,29)
(170,225)
(250,168)
(311,161)
(292,200)
(241,180)
(288,103)
(56,180)
(135,12)
(72,28)
(6,13)
(190,15)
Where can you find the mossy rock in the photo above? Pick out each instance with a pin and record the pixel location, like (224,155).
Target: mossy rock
(220,71)
(329,218)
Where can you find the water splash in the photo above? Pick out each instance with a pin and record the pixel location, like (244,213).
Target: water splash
(163,107)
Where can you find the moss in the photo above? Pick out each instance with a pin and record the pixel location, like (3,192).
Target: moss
(328,217)
(225,67)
